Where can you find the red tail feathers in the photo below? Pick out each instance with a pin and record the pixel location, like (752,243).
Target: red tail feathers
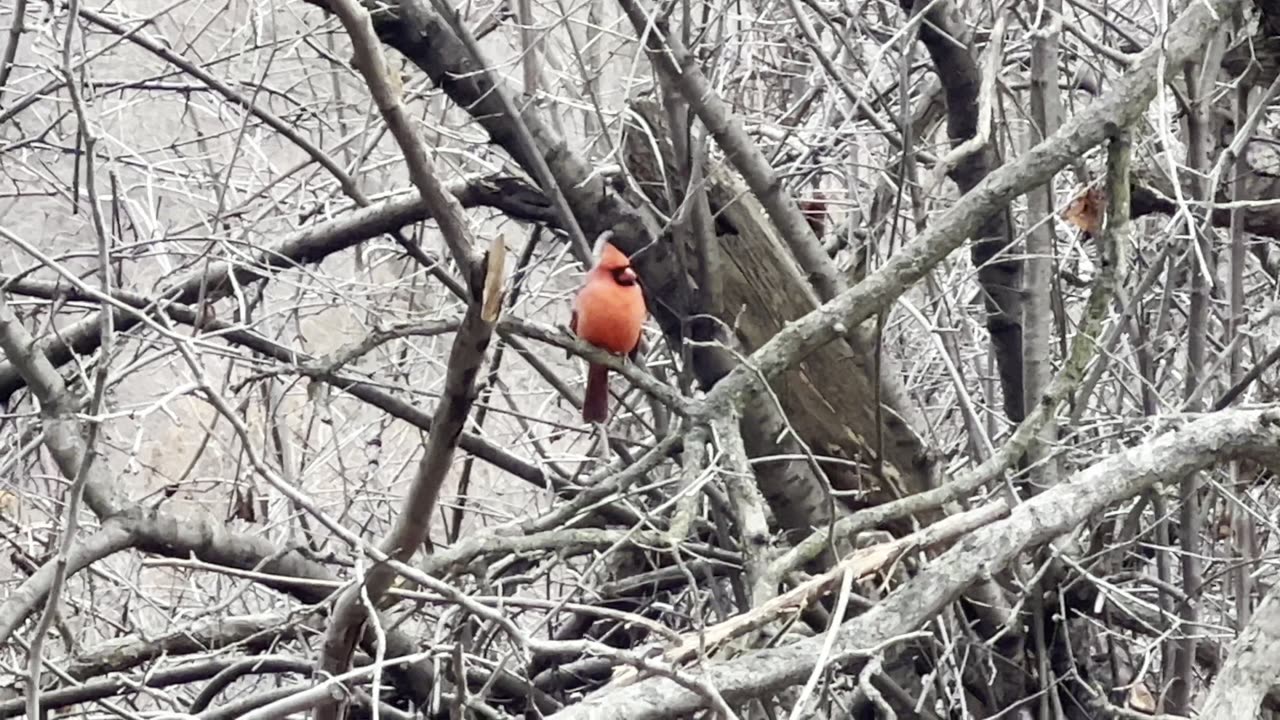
(815,213)
(595,404)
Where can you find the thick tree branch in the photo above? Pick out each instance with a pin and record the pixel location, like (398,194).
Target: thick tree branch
(307,246)
(1253,434)
(105,688)
(1252,666)
(255,633)
(430,43)
(860,563)
(1123,105)
(325,369)
(971,97)
(114,535)
(1084,348)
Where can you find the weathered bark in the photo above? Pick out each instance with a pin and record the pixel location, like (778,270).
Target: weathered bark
(764,273)
(1212,439)
(999,274)
(827,399)
(1252,666)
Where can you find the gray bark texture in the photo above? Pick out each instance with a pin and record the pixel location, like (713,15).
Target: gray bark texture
(1228,434)
(1252,666)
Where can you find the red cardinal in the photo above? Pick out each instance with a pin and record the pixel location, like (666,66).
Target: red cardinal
(815,213)
(609,313)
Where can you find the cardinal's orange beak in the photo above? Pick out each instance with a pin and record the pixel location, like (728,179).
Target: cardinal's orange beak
(627,275)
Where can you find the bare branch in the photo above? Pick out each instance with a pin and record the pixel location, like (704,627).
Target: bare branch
(105,688)
(61,426)
(858,564)
(255,633)
(413,522)
(1120,107)
(414,12)
(320,369)
(678,67)
(155,530)
(307,246)
(442,205)
(1199,444)
(114,536)
(1252,666)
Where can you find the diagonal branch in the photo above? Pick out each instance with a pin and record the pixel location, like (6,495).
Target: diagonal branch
(252,633)
(309,245)
(677,66)
(1084,348)
(414,12)
(1123,105)
(1252,666)
(442,205)
(430,43)
(413,522)
(153,529)
(484,277)
(1214,438)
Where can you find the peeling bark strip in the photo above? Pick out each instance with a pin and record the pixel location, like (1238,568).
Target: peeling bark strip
(1121,107)
(1229,434)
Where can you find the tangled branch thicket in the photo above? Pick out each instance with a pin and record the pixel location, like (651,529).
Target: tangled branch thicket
(291,416)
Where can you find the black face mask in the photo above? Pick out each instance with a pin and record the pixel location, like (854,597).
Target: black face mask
(623,277)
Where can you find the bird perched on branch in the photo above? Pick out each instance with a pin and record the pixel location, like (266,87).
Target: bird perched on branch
(609,313)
